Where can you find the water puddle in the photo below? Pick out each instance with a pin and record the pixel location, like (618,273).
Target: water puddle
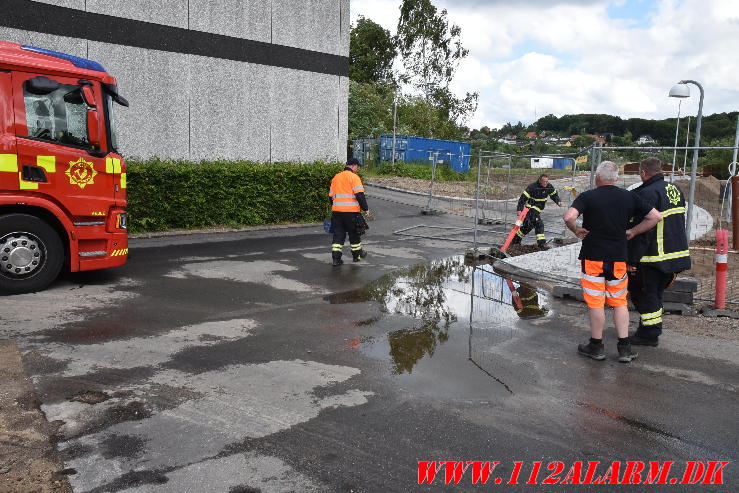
(458,315)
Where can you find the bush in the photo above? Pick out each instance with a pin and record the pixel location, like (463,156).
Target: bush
(164,195)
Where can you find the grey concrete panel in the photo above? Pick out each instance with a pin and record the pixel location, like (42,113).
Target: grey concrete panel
(168,12)
(157,86)
(72,4)
(305,115)
(346,27)
(70,46)
(246,19)
(343,117)
(310,24)
(228,110)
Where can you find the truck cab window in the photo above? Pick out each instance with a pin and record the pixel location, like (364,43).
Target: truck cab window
(59,116)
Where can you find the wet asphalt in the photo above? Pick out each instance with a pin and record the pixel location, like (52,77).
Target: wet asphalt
(244,362)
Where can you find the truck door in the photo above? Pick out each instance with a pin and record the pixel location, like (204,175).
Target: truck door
(60,147)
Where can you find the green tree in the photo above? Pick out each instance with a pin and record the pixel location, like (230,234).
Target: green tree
(370,109)
(372,51)
(431,49)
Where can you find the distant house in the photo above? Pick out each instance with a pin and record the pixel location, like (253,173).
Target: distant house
(597,138)
(531,135)
(645,139)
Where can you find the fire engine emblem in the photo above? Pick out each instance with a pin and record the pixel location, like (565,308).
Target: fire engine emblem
(81,173)
(673,194)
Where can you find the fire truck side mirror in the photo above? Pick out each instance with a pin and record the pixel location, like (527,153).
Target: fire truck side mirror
(89,96)
(93,128)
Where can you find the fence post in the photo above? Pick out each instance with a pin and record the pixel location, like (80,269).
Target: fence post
(477,195)
(433,178)
(507,189)
(735,211)
(592,168)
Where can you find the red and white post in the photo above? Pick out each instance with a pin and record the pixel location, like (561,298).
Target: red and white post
(722,259)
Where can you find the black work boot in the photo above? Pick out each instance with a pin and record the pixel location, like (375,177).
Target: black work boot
(638,340)
(625,354)
(542,245)
(516,240)
(592,350)
(336,256)
(358,255)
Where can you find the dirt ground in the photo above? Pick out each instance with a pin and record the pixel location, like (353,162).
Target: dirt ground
(28,460)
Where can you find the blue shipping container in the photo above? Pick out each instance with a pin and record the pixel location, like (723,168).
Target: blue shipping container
(419,149)
(563,163)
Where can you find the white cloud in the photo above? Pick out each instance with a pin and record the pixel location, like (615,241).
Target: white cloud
(569,56)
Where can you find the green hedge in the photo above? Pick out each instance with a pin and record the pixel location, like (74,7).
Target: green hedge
(167,195)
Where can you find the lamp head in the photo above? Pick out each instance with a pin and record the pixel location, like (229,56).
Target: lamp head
(680,90)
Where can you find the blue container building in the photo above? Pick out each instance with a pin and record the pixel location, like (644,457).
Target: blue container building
(419,149)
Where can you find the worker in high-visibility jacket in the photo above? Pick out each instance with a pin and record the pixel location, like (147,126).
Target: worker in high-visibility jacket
(656,256)
(347,201)
(535,197)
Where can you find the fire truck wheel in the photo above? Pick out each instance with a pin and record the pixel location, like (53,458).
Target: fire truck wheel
(31,254)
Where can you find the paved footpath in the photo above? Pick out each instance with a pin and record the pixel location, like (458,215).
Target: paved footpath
(242,362)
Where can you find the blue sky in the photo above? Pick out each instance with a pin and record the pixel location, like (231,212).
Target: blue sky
(588,56)
(637,11)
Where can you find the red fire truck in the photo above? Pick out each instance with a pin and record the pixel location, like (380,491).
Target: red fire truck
(62,180)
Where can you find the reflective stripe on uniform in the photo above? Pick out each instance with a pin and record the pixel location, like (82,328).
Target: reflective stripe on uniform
(593,292)
(653,318)
(357,246)
(667,256)
(616,282)
(344,195)
(592,278)
(676,210)
(358,187)
(541,237)
(346,204)
(336,247)
(617,294)
(661,255)
(520,234)
(534,207)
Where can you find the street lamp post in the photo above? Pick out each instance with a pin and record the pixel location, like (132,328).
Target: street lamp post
(677,131)
(681,90)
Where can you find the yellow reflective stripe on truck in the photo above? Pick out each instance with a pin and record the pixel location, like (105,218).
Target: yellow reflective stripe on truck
(113,165)
(9,163)
(47,162)
(119,253)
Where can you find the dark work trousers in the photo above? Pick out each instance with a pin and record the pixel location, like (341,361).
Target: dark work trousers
(646,288)
(343,224)
(533,221)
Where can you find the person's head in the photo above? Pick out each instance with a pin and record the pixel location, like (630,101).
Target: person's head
(353,164)
(606,173)
(543,180)
(649,167)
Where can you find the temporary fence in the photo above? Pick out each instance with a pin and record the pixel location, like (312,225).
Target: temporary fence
(485,199)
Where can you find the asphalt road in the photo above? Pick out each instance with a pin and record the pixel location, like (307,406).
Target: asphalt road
(244,362)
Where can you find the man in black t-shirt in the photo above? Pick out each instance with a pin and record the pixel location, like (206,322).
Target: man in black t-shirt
(606,212)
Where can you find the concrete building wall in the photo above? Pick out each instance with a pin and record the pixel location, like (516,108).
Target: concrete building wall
(263,80)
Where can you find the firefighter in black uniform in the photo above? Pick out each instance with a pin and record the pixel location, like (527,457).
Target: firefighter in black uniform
(656,256)
(535,198)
